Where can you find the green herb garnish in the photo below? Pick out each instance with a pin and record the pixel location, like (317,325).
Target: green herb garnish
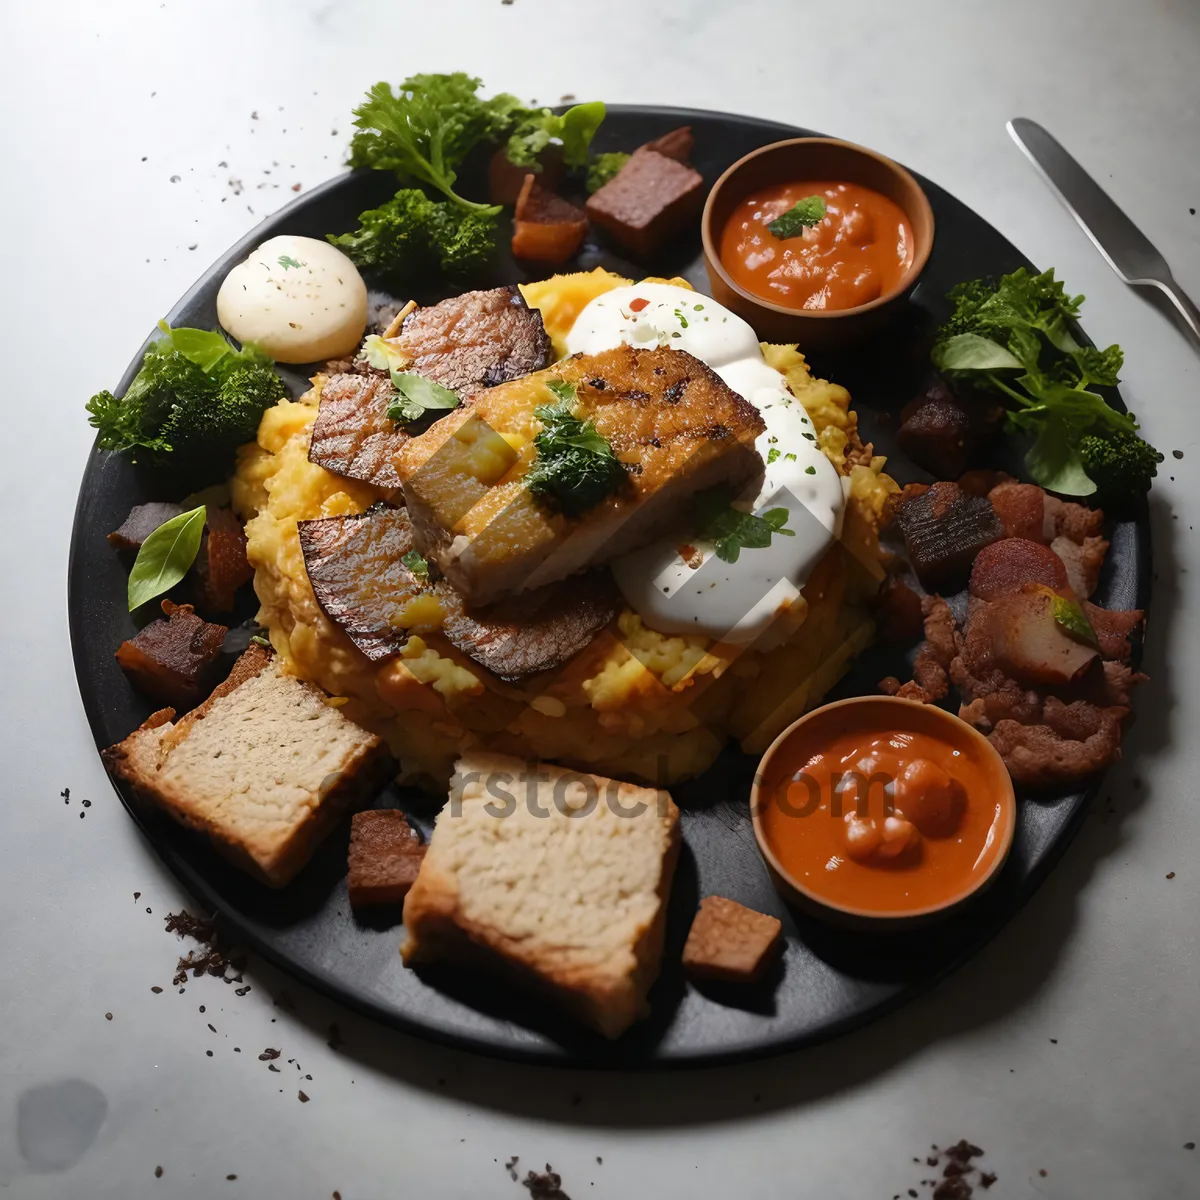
(165,556)
(804,214)
(286,261)
(772,455)
(417,566)
(259,640)
(731,530)
(1015,338)
(416,396)
(1071,617)
(575,467)
(604,167)
(574,129)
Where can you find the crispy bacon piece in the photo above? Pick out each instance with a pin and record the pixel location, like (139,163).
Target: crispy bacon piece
(221,566)
(1020,508)
(1065,518)
(1113,628)
(546,228)
(358,577)
(174,660)
(1075,741)
(142,521)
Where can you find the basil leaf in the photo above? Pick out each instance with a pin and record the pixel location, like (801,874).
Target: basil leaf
(165,556)
(1054,463)
(418,396)
(973,352)
(804,214)
(1073,619)
(579,125)
(731,530)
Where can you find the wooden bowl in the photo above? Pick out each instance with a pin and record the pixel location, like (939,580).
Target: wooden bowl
(892,712)
(814,158)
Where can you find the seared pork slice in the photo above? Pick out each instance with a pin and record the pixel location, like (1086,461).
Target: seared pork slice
(356,568)
(353,435)
(674,426)
(221,566)
(650,200)
(478,339)
(174,660)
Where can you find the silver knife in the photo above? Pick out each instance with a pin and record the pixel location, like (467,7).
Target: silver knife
(1125,248)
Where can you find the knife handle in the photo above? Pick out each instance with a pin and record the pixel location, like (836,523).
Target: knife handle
(1180,299)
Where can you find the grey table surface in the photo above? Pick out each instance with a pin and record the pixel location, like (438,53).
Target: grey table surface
(142,138)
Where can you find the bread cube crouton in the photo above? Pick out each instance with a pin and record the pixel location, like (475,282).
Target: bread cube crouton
(730,943)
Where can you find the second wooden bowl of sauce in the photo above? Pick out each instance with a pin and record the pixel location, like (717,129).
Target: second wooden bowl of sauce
(836,282)
(877,810)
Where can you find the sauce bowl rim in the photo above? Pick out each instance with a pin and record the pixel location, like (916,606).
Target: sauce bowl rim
(921,252)
(1006,798)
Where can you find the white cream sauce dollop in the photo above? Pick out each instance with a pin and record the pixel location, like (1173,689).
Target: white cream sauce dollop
(734,602)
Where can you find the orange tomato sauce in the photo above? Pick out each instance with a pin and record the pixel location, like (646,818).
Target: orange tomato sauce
(860,250)
(876,819)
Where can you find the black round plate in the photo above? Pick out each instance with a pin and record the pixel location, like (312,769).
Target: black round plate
(829,979)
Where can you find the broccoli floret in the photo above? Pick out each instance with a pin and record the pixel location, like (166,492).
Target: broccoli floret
(203,436)
(603,167)
(412,235)
(192,403)
(1120,464)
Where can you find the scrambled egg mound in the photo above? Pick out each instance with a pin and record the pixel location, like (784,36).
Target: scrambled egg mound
(636,703)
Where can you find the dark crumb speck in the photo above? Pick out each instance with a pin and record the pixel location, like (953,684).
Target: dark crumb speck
(545,1186)
(82,815)
(1054,1041)
(566,96)
(268,1054)
(1189,1145)
(335,1041)
(230,1176)
(1170,874)
(302,1097)
(156,990)
(174,178)
(1178,453)
(1042,1172)
(208,1053)
(108,1016)
(66,795)
(912,1192)
(1192,211)
(158,1172)
(987,1179)
(271,1066)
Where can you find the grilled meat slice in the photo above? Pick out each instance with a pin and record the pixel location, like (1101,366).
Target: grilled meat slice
(944,529)
(353,435)
(673,424)
(648,202)
(360,581)
(174,660)
(478,339)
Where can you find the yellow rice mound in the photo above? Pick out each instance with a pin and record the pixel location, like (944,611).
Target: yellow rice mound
(636,704)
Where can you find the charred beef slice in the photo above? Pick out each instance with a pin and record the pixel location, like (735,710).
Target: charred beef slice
(221,567)
(353,435)
(944,528)
(174,660)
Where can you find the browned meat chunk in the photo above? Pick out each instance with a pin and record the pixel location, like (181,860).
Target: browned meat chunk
(1113,628)
(174,660)
(648,202)
(677,144)
(944,529)
(478,339)
(1021,509)
(359,579)
(1075,741)
(142,521)
(221,566)
(546,228)
(506,178)
(1064,518)
(729,943)
(1008,565)
(936,432)
(1083,561)
(353,435)
(385,857)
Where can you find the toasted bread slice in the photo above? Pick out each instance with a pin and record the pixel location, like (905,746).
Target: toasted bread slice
(264,767)
(556,878)
(673,424)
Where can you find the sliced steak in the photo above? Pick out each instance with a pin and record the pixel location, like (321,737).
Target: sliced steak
(354,565)
(353,435)
(175,660)
(478,339)
(142,521)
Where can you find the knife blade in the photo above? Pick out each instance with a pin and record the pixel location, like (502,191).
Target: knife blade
(1124,247)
